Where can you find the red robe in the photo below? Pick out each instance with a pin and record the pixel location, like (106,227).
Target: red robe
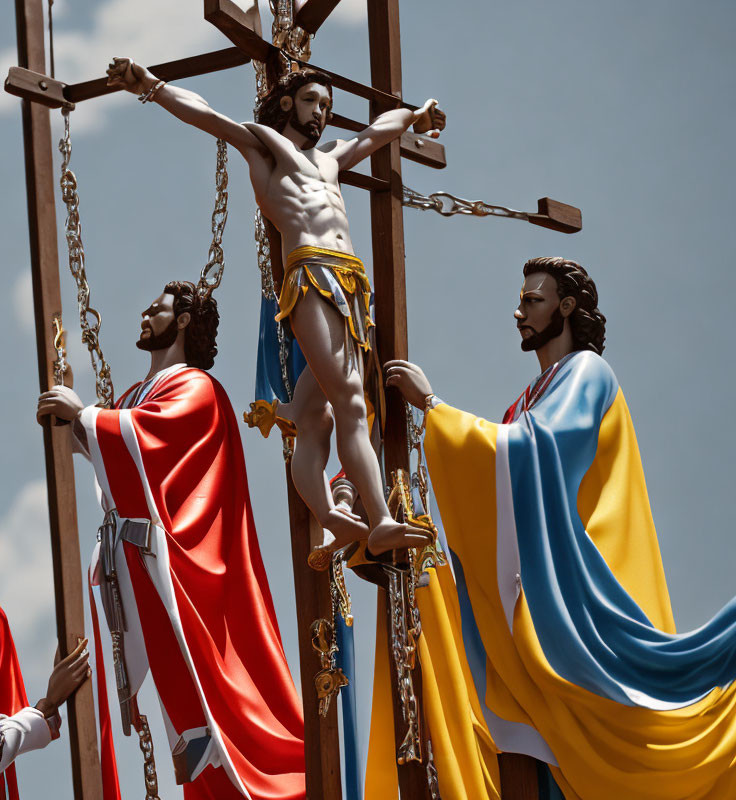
(12,697)
(211,635)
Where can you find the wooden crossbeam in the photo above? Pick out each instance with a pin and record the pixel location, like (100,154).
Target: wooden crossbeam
(557,216)
(55,94)
(313,13)
(229,18)
(389,276)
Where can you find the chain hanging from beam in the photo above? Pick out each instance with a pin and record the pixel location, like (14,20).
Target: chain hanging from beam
(211,275)
(448,205)
(89,318)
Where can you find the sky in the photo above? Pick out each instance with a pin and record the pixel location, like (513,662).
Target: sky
(624,109)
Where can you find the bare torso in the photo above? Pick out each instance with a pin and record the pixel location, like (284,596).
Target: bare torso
(299,191)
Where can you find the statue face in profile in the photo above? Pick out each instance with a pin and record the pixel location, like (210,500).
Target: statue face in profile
(538,315)
(158,324)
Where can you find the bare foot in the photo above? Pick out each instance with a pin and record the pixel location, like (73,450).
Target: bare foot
(341,527)
(392,535)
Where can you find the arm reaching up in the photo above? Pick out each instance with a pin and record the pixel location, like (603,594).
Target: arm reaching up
(187,106)
(384,129)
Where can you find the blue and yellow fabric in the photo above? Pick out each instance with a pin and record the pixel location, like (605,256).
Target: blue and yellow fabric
(564,616)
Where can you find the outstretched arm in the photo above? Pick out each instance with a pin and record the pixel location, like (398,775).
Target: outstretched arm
(384,129)
(187,106)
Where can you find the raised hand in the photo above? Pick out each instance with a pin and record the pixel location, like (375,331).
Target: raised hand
(409,379)
(429,119)
(61,401)
(68,675)
(124,73)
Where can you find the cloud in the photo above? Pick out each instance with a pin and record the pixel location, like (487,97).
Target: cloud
(26,581)
(347,12)
(23,301)
(134,27)
(120,27)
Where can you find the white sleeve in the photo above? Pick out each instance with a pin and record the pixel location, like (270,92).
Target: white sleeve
(27,730)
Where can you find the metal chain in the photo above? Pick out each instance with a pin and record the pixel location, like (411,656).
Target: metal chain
(448,205)
(288,37)
(211,275)
(145,742)
(89,319)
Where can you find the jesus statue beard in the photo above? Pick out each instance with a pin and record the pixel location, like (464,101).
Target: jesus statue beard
(312,129)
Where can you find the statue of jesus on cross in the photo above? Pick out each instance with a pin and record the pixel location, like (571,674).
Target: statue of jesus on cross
(325,293)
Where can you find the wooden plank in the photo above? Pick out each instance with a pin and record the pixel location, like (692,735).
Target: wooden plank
(35,86)
(312,592)
(169,71)
(387,224)
(414,146)
(321,735)
(557,216)
(423,150)
(229,18)
(67,566)
(519,780)
(313,13)
(350,178)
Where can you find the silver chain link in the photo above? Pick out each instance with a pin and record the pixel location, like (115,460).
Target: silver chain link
(89,319)
(211,275)
(448,205)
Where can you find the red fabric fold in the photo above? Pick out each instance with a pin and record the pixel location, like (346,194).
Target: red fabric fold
(12,697)
(192,459)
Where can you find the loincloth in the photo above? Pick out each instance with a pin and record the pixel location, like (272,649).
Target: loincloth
(339,277)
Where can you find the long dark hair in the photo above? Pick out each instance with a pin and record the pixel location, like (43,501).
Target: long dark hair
(200,335)
(269,111)
(587,324)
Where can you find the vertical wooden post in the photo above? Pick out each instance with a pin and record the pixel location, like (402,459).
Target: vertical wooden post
(387,221)
(519,777)
(312,590)
(68,585)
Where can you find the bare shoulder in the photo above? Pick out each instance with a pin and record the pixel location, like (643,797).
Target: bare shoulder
(330,147)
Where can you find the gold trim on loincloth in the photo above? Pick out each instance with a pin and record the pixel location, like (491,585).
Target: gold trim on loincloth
(304,268)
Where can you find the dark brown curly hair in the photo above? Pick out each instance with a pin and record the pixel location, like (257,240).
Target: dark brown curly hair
(587,324)
(269,111)
(200,336)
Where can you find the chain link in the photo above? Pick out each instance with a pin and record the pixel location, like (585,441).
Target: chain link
(89,319)
(448,205)
(211,275)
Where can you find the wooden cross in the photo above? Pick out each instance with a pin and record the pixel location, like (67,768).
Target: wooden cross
(40,93)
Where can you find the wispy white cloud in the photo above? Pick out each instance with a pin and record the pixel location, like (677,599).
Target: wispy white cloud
(120,27)
(134,28)
(26,582)
(23,301)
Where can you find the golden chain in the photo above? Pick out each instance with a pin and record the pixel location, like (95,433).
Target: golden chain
(211,275)
(145,742)
(89,319)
